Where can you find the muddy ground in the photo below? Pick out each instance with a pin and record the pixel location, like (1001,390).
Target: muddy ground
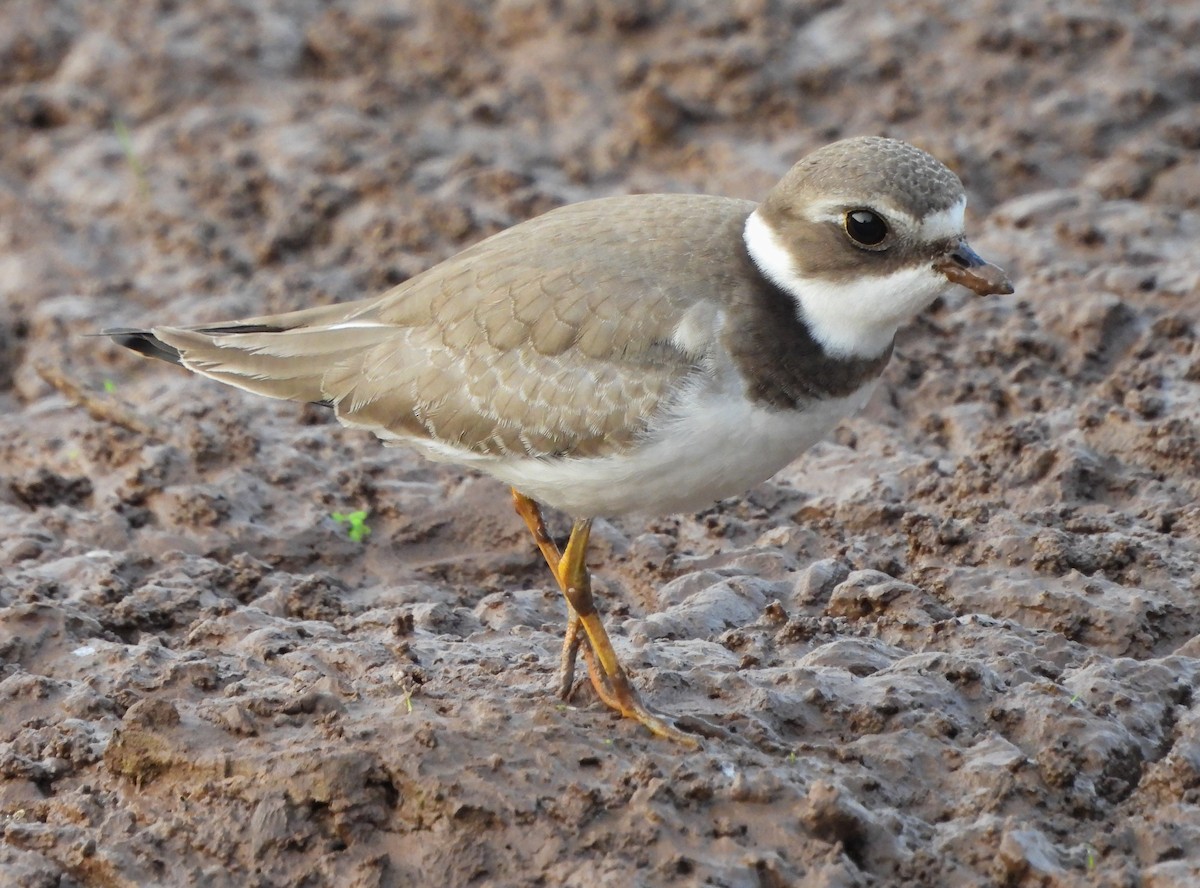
(958,644)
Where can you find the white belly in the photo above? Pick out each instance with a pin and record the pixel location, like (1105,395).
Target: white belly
(712,448)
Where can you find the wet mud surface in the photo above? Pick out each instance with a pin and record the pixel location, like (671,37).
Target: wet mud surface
(957,644)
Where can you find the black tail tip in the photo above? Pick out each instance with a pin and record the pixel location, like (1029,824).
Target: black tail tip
(144,342)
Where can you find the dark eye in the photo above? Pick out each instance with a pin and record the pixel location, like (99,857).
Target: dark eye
(866,228)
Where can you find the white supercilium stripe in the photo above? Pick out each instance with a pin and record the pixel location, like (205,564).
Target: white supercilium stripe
(941,225)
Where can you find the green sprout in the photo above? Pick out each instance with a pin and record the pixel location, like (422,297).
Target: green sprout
(408,702)
(357,528)
(131,157)
(109,386)
(1091,858)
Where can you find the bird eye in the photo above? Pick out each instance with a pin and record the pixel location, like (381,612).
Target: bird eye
(866,228)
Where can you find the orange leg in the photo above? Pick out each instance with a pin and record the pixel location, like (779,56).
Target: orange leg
(570,570)
(531,513)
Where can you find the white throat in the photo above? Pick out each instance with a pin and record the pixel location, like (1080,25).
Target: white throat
(857,318)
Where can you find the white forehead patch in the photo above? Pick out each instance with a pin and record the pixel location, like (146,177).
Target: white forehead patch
(945,224)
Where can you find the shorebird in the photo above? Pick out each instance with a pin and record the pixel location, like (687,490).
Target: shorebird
(640,354)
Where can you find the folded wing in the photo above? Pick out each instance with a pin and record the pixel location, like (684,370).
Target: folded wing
(525,344)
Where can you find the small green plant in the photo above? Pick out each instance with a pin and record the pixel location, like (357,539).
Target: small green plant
(109,386)
(356,523)
(1091,858)
(126,141)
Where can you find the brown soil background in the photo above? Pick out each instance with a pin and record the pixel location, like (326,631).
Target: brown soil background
(958,644)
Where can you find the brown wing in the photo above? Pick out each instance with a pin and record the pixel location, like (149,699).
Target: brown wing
(557,336)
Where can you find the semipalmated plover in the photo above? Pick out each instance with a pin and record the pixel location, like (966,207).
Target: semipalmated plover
(646,354)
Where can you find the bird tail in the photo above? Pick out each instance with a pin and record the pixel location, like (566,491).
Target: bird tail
(143,342)
(284,356)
